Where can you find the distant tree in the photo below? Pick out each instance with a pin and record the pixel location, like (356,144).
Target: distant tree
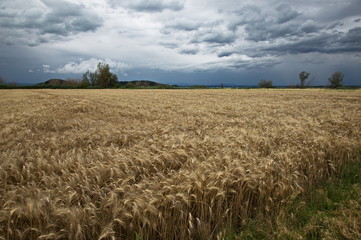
(303,76)
(265,84)
(2,81)
(89,78)
(138,84)
(72,82)
(222,85)
(85,81)
(336,80)
(129,85)
(102,77)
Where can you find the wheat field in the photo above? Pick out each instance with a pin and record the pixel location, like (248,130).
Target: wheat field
(164,164)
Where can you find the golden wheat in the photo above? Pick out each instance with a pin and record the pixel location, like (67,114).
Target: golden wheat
(164,164)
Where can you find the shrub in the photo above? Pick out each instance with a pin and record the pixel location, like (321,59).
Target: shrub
(336,80)
(265,84)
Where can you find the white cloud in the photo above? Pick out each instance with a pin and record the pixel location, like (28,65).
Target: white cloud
(85,65)
(46,68)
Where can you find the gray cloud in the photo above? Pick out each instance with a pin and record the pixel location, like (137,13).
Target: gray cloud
(183,25)
(353,38)
(323,43)
(238,62)
(170,45)
(150,5)
(193,37)
(268,23)
(349,9)
(285,13)
(335,25)
(222,54)
(189,50)
(257,32)
(58,18)
(313,44)
(253,16)
(246,15)
(263,31)
(220,37)
(215,32)
(65,18)
(310,27)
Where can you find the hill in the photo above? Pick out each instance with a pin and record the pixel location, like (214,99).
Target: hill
(53,81)
(142,83)
(123,84)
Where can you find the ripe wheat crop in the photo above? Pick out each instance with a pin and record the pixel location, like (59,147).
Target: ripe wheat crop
(164,164)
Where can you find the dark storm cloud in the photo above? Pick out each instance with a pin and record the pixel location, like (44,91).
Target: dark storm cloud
(238,63)
(39,24)
(313,44)
(150,5)
(353,38)
(252,16)
(267,24)
(67,18)
(270,30)
(322,43)
(263,31)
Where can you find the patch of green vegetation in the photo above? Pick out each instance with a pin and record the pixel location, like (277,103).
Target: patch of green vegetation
(332,211)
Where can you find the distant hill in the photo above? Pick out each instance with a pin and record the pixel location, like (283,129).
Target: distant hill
(54,81)
(123,84)
(141,83)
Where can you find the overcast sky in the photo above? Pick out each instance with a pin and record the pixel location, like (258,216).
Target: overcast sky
(182,41)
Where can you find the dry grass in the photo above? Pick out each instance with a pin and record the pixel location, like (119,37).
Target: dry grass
(164,164)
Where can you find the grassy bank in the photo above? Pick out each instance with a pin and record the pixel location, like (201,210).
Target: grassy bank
(331,211)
